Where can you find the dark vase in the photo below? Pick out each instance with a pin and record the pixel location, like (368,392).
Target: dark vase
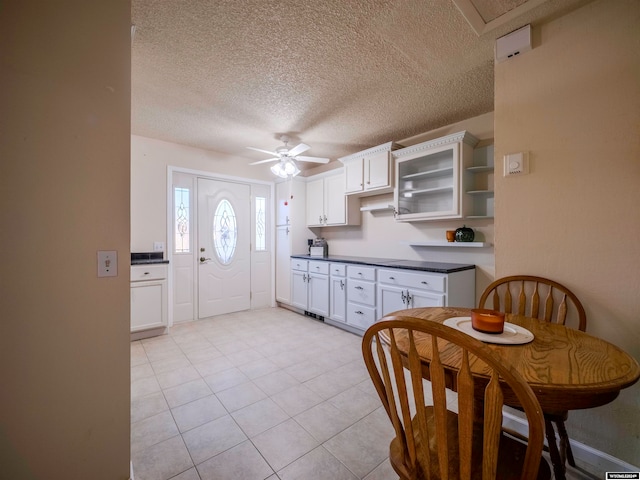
(464,234)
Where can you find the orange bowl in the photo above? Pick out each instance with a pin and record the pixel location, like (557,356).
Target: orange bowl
(487,321)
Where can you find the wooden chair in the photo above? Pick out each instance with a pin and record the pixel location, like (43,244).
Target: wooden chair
(559,304)
(432,442)
(549,301)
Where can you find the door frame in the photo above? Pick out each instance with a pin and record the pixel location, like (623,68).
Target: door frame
(169,227)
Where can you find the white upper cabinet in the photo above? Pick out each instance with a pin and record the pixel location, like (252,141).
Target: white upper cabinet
(369,172)
(432,178)
(315,203)
(327,204)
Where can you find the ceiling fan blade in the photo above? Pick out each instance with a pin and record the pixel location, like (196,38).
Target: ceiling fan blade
(265,161)
(301,147)
(261,150)
(302,158)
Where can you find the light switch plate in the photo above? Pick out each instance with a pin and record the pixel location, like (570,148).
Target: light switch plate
(107,263)
(158,246)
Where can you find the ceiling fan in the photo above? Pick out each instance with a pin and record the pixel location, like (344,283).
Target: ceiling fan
(286,167)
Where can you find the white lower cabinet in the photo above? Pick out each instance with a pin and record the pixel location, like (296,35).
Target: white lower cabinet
(310,286)
(318,280)
(148,297)
(354,296)
(398,290)
(338,292)
(299,284)
(361,296)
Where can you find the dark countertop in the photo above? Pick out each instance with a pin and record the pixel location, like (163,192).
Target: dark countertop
(147,258)
(437,267)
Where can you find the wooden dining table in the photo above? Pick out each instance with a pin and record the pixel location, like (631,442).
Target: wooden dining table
(567,369)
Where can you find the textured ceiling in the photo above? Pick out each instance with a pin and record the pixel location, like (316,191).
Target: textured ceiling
(338,75)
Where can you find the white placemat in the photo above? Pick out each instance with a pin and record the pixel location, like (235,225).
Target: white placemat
(512,334)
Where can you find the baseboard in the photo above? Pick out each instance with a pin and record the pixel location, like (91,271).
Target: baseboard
(153,332)
(131,471)
(588,458)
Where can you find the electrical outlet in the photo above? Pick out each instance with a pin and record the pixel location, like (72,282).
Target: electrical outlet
(107,263)
(158,246)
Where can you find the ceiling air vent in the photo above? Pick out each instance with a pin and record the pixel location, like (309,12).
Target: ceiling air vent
(513,44)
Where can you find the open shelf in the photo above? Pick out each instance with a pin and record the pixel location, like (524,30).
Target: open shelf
(439,172)
(444,243)
(408,193)
(376,208)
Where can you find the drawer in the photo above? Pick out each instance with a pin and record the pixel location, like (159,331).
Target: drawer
(403,278)
(319,267)
(140,273)
(300,265)
(361,273)
(338,269)
(361,292)
(360,316)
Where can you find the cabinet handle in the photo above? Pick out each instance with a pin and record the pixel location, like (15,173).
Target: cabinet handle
(146,273)
(404,299)
(359,288)
(359,273)
(341,285)
(287,219)
(318,267)
(320,219)
(325,219)
(359,312)
(392,278)
(424,282)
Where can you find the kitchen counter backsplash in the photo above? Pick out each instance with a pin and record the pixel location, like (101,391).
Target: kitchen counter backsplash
(437,267)
(145,258)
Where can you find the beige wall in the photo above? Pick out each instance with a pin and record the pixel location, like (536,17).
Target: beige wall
(64,187)
(573,102)
(149,161)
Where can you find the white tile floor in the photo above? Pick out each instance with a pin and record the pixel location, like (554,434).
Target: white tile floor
(267,394)
(255,395)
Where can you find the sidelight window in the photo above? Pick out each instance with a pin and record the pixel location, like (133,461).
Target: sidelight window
(261,242)
(181,218)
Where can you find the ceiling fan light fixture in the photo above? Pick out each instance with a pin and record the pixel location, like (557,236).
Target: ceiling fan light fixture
(285,169)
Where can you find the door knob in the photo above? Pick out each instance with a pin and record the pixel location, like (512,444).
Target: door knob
(202,259)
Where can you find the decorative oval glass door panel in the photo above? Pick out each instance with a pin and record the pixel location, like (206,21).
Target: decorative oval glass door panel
(225,232)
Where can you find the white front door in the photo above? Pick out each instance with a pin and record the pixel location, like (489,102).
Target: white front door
(224,267)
